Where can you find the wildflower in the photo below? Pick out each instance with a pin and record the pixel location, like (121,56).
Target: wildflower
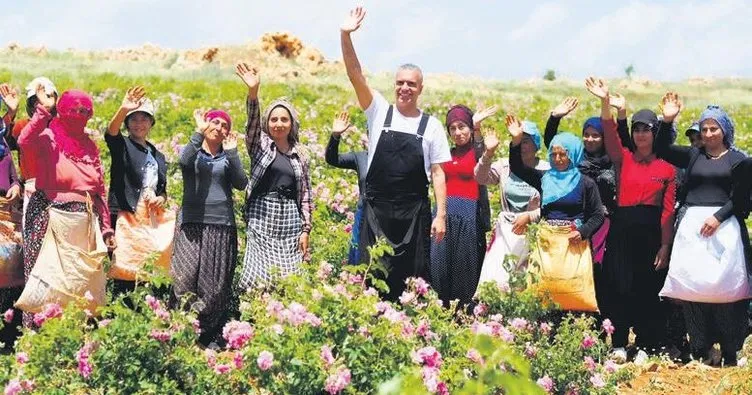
(370,291)
(588,341)
(196,324)
(519,324)
(82,357)
(161,336)
(13,387)
(530,350)
(421,286)
(8,315)
(152,302)
(442,389)
(22,358)
(326,356)
(597,381)
(337,382)
(608,326)
(590,364)
(237,360)
(431,378)
(325,269)
(480,309)
(546,383)
(162,314)
(222,368)
(407,297)
(474,356)
(51,310)
(265,360)
(427,356)
(545,328)
(277,328)
(610,366)
(237,334)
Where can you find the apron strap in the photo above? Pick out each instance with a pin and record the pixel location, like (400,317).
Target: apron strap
(422,125)
(388,119)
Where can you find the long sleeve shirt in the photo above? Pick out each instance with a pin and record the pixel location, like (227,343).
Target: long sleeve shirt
(262,150)
(582,203)
(709,181)
(651,183)
(207,183)
(60,177)
(357,161)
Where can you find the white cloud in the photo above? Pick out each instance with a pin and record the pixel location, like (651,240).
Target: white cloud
(543,18)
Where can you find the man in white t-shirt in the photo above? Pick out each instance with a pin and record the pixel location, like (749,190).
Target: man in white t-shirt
(406,150)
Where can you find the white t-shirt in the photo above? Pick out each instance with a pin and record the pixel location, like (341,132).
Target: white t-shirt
(435,144)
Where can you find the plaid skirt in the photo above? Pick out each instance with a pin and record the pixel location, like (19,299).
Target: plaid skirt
(274,228)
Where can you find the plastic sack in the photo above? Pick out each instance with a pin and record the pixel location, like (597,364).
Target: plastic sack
(69,264)
(707,269)
(141,236)
(504,242)
(565,269)
(11,256)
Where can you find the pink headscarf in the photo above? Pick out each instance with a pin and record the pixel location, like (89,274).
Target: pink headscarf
(211,114)
(74,109)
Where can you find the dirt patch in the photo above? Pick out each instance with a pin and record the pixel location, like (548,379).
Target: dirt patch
(693,378)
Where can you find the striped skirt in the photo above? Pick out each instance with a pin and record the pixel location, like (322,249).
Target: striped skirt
(274,228)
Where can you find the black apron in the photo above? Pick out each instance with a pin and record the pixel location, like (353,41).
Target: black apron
(396,205)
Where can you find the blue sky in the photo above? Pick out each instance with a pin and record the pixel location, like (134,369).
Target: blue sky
(665,40)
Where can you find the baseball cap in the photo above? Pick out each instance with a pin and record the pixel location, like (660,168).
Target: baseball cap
(49,87)
(645,116)
(146,107)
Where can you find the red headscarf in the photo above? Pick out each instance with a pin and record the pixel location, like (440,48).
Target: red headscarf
(74,109)
(211,114)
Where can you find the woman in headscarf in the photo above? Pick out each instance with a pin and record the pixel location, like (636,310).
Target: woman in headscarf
(595,164)
(456,260)
(10,188)
(26,159)
(520,202)
(206,244)
(278,198)
(708,269)
(570,206)
(641,232)
(68,166)
(138,173)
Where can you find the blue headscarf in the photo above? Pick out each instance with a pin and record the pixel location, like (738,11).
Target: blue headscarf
(531,129)
(595,123)
(557,184)
(717,114)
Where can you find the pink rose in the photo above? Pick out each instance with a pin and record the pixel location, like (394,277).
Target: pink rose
(588,341)
(589,364)
(597,381)
(8,315)
(22,358)
(237,360)
(326,356)
(237,334)
(337,382)
(474,355)
(13,387)
(222,368)
(265,360)
(608,327)
(546,383)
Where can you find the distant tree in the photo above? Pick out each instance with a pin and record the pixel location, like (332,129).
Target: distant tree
(629,71)
(550,75)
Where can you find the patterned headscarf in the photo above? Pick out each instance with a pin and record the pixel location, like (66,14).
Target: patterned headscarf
(557,184)
(717,114)
(294,137)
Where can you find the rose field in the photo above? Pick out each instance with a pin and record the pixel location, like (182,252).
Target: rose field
(326,330)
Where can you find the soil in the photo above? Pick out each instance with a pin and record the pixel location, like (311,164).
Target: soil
(694,378)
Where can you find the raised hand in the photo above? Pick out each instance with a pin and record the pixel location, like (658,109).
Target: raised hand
(249,75)
(491,140)
(598,87)
(201,123)
(515,127)
(134,98)
(10,97)
(565,107)
(341,123)
(671,105)
(483,114)
(45,99)
(230,141)
(354,20)
(618,101)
